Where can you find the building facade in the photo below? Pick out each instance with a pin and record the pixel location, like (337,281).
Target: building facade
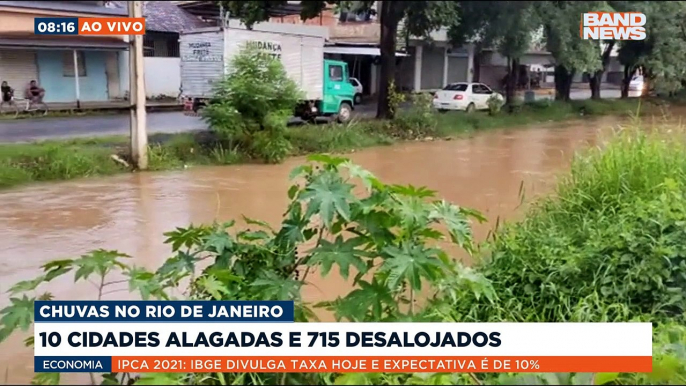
(425,64)
(164,21)
(69,68)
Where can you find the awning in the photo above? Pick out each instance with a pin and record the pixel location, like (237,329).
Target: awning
(368,51)
(94,44)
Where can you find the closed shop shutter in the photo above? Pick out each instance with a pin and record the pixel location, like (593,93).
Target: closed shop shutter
(18,68)
(457,69)
(432,67)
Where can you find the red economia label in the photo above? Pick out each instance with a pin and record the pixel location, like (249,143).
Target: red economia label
(111,26)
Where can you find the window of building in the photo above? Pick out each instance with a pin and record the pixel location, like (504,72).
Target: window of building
(68,63)
(161,44)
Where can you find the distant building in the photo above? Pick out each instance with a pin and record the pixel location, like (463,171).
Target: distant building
(164,20)
(57,61)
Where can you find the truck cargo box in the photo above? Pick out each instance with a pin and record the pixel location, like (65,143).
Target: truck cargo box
(206,54)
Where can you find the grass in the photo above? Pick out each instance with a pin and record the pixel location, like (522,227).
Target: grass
(606,246)
(75,158)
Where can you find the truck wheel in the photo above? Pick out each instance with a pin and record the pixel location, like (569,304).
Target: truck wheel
(344,113)
(358,99)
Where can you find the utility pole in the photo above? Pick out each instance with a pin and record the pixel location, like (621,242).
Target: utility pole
(139,135)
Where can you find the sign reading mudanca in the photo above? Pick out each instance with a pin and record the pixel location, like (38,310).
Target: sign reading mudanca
(271,48)
(613,26)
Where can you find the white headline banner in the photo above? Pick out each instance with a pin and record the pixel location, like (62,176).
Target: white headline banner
(343,339)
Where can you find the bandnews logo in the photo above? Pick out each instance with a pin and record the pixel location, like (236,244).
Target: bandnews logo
(613,26)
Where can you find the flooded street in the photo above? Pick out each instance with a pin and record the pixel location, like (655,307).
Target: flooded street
(130,212)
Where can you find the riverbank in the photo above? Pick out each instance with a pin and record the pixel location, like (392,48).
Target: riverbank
(611,208)
(76,158)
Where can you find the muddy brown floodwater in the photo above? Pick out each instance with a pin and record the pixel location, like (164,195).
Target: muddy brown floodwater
(130,212)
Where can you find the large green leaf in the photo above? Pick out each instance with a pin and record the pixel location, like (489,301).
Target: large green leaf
(455,219)
(354,307)
(410,262)
(270,286)
(146,283)
(343,253)
(328,195)
(99,262)
(218,242)
(179,265)
(213,286)
(18,315)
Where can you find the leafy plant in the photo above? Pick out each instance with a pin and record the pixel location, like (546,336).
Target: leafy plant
(418,121)
(252,105)
(384,239)
(395,97)
(494,103)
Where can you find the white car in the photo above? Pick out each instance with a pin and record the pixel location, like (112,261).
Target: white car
(464,96)
(358,90)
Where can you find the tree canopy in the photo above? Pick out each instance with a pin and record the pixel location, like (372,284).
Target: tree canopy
(510,28)
(418,18)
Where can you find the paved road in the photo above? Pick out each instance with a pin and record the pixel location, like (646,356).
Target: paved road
(24,130)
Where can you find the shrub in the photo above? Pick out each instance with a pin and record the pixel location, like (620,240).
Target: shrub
(495,103)
(395,97)
(609,246)
(419,120)
(252,105)
(384,238)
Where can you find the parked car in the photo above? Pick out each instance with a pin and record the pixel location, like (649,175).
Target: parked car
(358,90)
(464,96)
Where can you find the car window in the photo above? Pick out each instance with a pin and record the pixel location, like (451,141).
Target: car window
(477,89)
(456,87)
(485,89)
(336,73)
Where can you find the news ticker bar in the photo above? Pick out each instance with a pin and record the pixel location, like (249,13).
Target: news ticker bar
(113,26)
(317,364)
(261,336)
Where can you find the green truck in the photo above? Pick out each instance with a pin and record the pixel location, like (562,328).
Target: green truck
(206,56)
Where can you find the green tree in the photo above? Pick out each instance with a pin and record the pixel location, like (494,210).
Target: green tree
(252,104)
(507,26)
(662,54)
(419,18)
(572,54)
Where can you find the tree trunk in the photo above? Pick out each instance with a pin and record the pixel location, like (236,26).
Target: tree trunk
(594,83)
(596,78)
(511,81)
(568,85)
(563,83)
(389,31)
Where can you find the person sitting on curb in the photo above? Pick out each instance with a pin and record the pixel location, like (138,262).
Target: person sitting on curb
(35,93)
(7,93)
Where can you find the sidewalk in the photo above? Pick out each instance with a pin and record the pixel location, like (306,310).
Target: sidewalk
(114,105)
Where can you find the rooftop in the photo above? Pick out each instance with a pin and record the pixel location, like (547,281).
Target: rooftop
(165,16)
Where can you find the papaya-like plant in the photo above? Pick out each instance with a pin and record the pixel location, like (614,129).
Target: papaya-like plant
(384,241)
